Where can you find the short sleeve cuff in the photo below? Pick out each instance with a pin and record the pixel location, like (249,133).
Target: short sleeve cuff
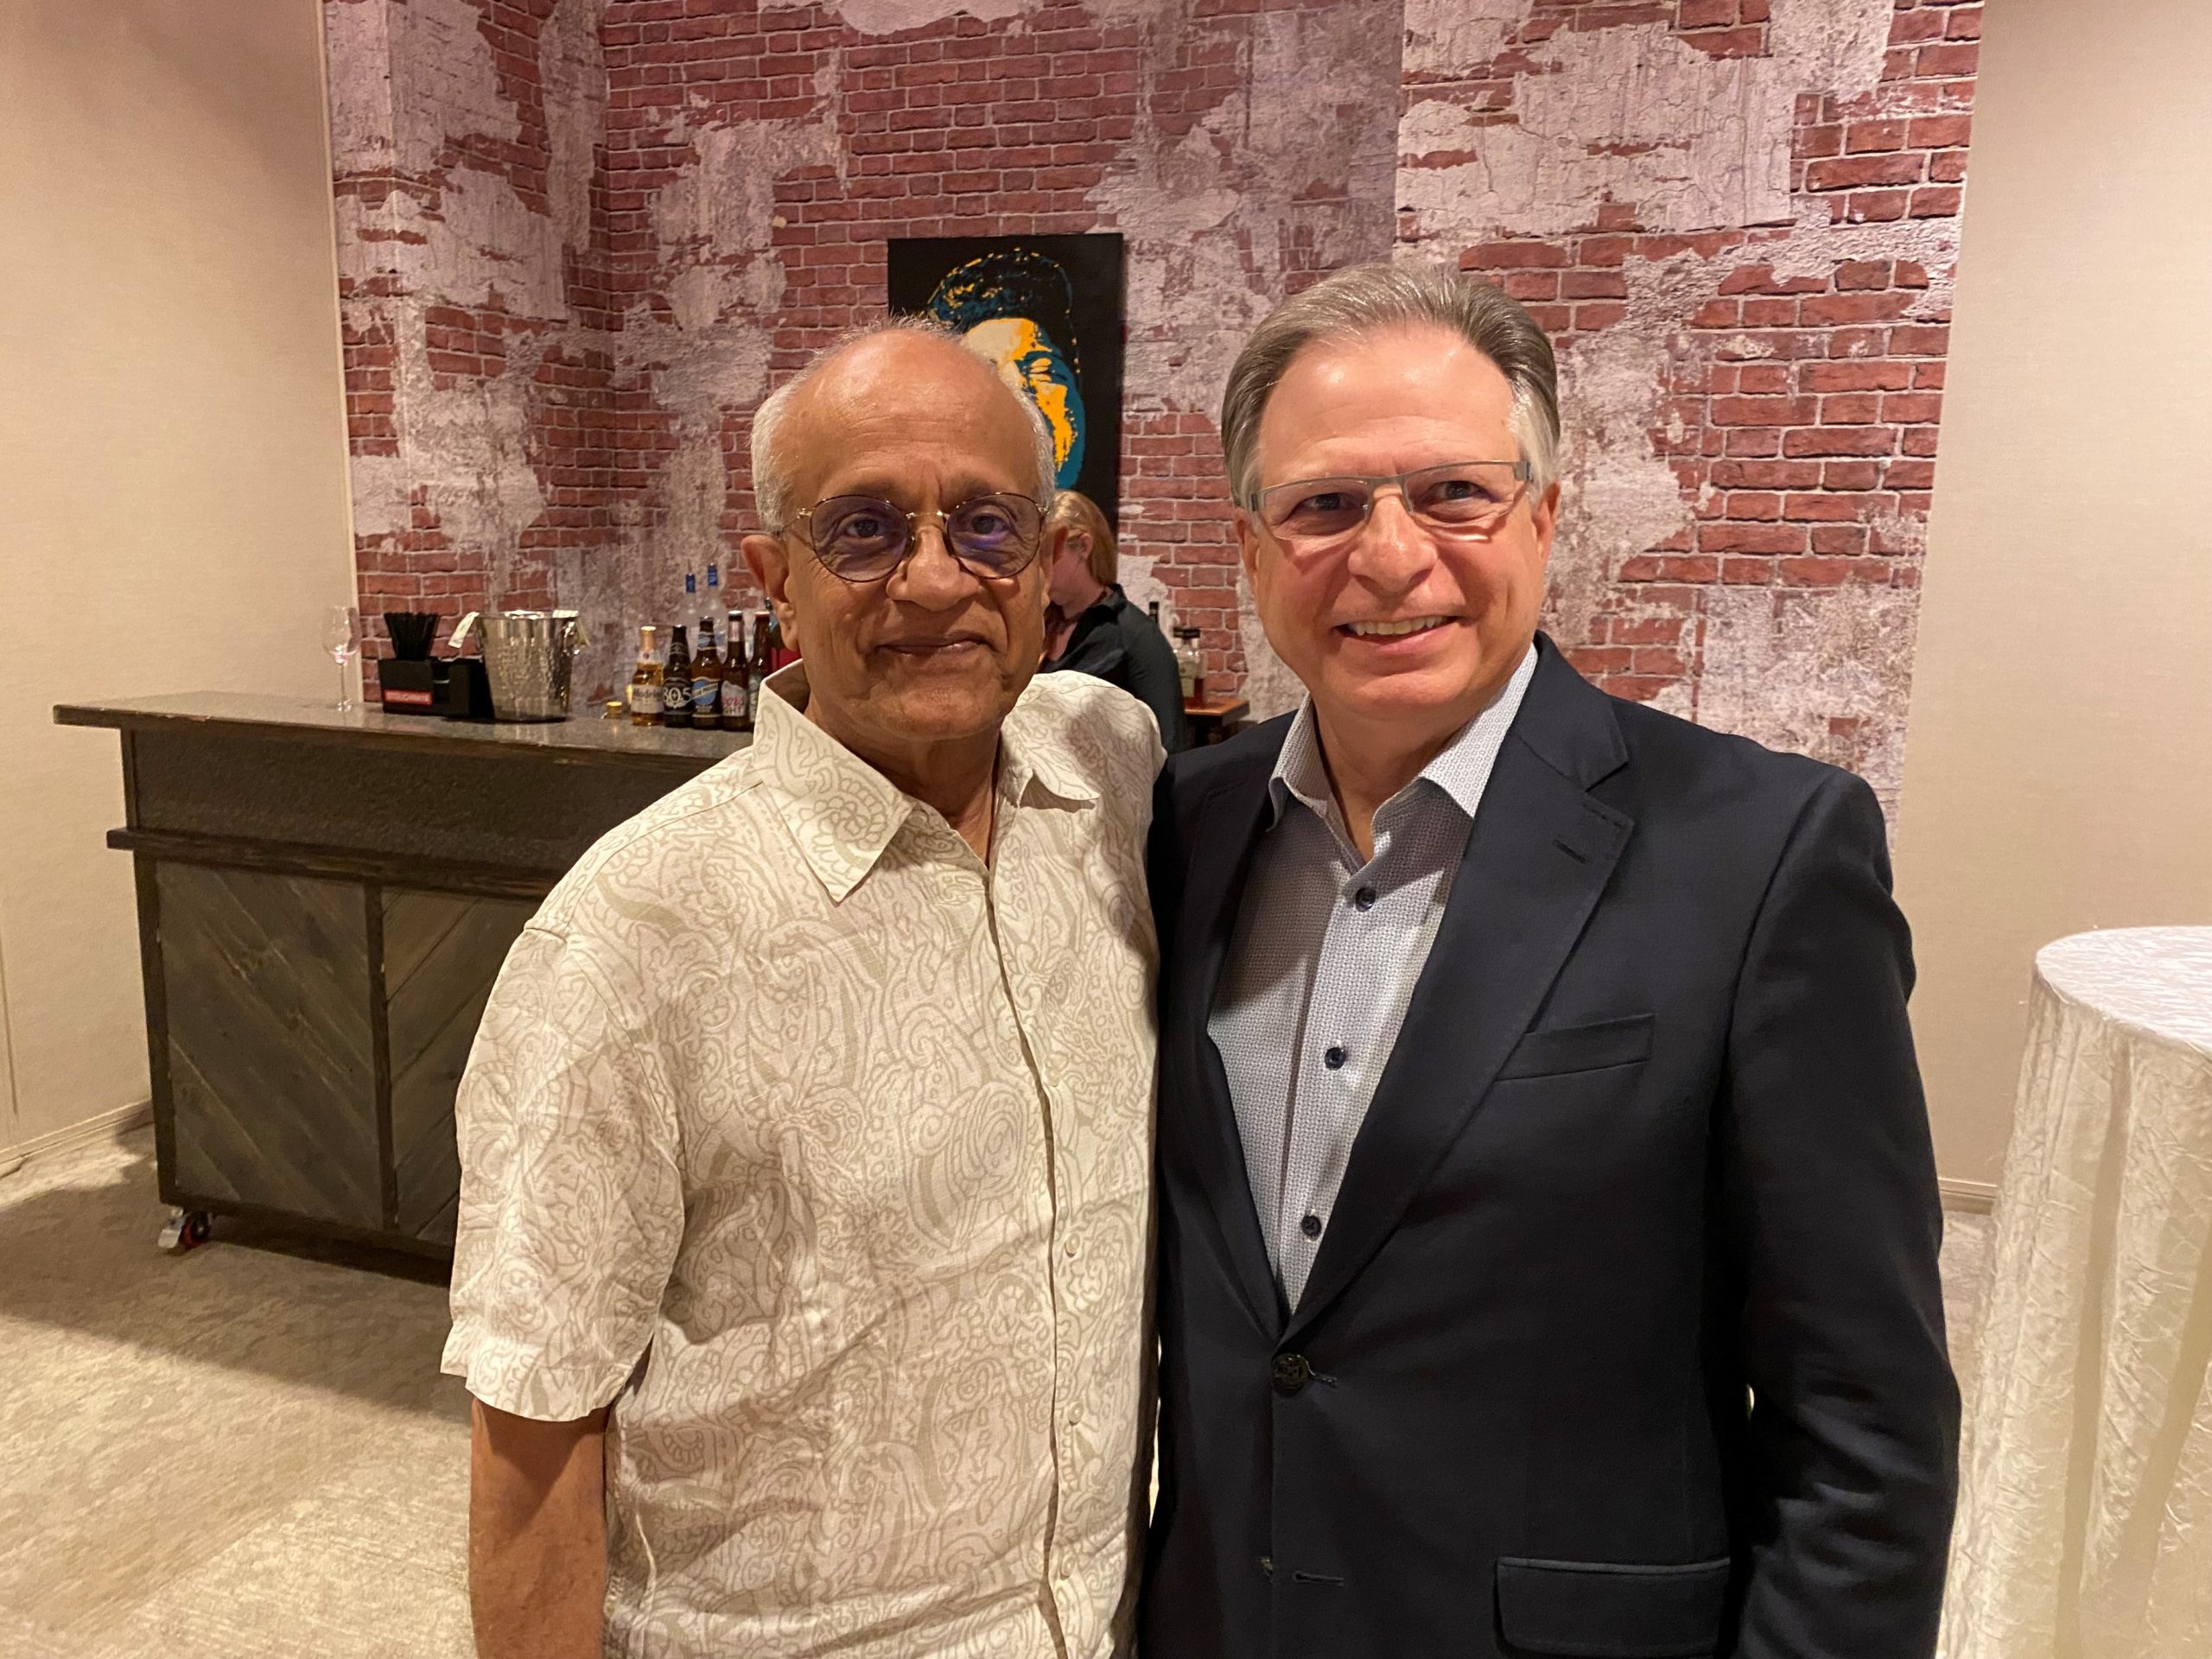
(513,1377)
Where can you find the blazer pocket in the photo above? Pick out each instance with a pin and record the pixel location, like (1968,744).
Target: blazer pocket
(1602,1610)
(1579,1048)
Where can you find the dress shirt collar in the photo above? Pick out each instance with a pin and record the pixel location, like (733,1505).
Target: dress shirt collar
(1461,769)
(842,812)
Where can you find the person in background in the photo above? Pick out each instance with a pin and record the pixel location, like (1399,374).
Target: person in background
(806,1143)
(1091,628)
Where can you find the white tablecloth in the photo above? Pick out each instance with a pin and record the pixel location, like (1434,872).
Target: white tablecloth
(2085,1520)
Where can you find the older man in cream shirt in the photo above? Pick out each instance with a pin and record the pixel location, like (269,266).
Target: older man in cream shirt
(800,1281)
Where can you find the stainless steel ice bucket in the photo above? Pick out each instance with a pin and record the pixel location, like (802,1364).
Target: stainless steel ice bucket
(528,656)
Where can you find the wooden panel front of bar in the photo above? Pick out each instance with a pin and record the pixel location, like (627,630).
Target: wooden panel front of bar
(324,901)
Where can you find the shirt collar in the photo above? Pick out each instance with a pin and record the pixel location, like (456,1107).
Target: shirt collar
(843,813)
(1461,769)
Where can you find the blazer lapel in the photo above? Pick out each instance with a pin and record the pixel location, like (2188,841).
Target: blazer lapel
(1541,852)
(1224,833)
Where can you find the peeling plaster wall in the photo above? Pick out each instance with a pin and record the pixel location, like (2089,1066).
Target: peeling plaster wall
(465,136)
(1739,222)
(580,239)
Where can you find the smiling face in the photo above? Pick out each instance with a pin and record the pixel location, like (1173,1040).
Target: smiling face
(931,654)
(1401,635)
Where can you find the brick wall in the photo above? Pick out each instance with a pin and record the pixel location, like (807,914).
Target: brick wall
(1740,222)
(580,238)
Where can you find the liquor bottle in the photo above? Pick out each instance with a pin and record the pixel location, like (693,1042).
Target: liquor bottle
(690,606)
(676,681)
(645,682)
(737,680)
(1153,611)
(707,680)
(1190,665)
(716,608)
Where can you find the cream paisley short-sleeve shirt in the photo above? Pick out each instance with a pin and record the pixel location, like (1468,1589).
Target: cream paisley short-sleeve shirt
(822,1150)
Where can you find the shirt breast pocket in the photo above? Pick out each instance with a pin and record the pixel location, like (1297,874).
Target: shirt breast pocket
(1559,1051)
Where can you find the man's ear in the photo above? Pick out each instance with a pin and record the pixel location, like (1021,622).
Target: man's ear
(1248,543)
(770,561)
(1545,516)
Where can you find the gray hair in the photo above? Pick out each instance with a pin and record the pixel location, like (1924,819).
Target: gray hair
(771,482)
(1365,298)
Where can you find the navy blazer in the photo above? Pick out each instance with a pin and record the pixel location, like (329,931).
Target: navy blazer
(1626,1338)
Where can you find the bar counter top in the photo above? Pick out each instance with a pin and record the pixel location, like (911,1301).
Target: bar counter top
(585,737)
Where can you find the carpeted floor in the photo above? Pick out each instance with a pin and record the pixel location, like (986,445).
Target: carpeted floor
(248,1452)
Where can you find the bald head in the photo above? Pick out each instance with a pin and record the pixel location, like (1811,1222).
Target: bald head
(885,373)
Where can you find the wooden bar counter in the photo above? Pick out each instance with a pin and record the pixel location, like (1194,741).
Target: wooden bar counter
(324,899)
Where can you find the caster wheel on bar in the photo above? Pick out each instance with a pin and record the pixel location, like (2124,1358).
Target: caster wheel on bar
(187,1230)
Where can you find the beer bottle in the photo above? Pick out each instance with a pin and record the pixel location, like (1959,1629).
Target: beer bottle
(707,680)
(766,636)
(645,682)
(737,680)
(675,682)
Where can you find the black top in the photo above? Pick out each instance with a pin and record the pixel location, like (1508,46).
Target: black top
(1116,642)
(1626,1335)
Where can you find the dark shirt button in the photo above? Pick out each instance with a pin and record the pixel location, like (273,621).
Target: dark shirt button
(1311,1226)
(1290,1373)
(1364,898)
(1334,1057)
(1268,1564)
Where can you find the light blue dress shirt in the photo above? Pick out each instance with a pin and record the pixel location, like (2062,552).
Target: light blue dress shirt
(1327,951)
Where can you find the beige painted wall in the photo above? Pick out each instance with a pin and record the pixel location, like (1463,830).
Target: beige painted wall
(2058,764)
(172,495)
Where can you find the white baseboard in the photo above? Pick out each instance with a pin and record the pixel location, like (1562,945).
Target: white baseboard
(108,1126)
(1969,1197)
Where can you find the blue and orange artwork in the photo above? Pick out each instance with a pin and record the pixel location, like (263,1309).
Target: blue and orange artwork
(1045,311)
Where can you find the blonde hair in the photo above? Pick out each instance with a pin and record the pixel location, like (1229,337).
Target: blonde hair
(1075,511)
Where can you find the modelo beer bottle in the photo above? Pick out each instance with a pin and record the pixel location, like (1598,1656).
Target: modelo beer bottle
(646,681)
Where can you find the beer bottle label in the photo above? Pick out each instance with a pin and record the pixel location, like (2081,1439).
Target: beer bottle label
(644,699)
(703,698)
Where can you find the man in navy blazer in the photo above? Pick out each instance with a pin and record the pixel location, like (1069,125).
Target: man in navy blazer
(1548,1222)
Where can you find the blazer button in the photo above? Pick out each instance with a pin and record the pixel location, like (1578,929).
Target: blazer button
(1311,1226)
(1333,1057)
(1290,1374)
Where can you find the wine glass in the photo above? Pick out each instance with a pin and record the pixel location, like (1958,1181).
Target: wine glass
(341,637)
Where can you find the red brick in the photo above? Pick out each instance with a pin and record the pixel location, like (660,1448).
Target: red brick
(1870,138)
(1815,573)
(1764,411)
(1832,508)
(1840,440)
(1947,59)
(1751,538)
(1939,132)
(1825,309)
(1854,376)
(1856,172)
(1851,409)
(1504,255)
(1920,339)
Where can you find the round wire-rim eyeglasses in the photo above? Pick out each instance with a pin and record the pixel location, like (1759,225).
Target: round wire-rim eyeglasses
(863,538)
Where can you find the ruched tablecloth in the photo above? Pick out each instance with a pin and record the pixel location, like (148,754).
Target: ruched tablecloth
(2085,1520)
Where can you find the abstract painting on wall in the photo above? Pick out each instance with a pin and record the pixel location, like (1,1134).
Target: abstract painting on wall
(1047,311)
